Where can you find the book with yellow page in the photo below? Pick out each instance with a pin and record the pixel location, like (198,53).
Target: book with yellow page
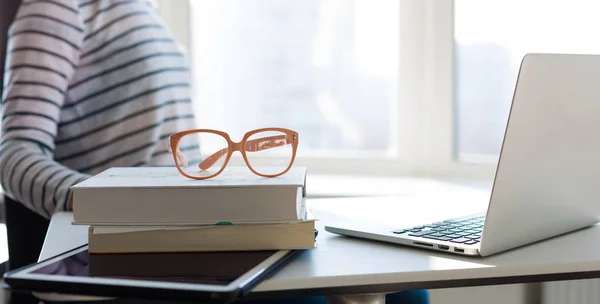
(223,237)
(162,196)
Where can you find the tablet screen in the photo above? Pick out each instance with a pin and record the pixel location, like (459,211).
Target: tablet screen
(214,268)
(210,276)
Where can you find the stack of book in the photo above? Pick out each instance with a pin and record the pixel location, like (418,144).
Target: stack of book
(156,209)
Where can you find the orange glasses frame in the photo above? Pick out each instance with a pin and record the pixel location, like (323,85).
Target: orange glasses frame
(244,145)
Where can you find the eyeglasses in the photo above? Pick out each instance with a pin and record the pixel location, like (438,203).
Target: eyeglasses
(268,152)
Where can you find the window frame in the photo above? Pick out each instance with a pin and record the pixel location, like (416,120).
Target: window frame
(425,109)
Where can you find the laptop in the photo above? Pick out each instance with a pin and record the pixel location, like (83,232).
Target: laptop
(547,180)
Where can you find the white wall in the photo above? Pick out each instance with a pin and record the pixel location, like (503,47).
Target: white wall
(501,294)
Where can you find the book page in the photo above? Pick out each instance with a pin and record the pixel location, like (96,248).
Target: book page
(170,177)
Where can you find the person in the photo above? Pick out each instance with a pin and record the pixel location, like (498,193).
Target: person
(88,85)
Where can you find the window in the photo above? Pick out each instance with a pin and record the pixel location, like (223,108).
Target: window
(382,87)
(325,68)
(491,39)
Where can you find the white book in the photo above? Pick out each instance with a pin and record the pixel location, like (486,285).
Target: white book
(162,196)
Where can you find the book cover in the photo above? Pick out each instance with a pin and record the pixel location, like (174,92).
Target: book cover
(169,177)
(160,195)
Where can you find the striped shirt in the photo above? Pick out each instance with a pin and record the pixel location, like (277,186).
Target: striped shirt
(89,84)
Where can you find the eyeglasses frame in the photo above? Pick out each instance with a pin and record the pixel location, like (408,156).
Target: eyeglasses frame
(240,146)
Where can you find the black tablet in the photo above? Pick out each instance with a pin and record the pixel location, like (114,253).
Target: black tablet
(215,277)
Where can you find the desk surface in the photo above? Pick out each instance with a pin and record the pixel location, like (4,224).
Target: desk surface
(342,265)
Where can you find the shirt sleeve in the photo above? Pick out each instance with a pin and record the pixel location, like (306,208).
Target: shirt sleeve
(43,49)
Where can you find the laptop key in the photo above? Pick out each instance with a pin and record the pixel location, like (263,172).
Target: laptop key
(421,233)
(439,238)
(414,230)
(436,234)
(463,233)
(459,240)
(474,237)
(454,236)
(399,231)
(471,242)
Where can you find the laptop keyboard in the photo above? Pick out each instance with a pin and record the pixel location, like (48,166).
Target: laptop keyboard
(461,231)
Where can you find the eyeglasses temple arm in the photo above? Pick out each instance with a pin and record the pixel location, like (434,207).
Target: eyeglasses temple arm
(265,143)
(253,145)
(180,156)
(212,159)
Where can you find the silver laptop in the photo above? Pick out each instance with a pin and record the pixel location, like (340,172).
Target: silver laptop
(547,181)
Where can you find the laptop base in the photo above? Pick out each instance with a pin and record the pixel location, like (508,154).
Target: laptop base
(417,236)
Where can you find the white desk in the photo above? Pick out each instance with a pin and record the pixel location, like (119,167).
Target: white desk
(341,265)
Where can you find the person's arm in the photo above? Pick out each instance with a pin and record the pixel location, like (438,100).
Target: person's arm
(42,54)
